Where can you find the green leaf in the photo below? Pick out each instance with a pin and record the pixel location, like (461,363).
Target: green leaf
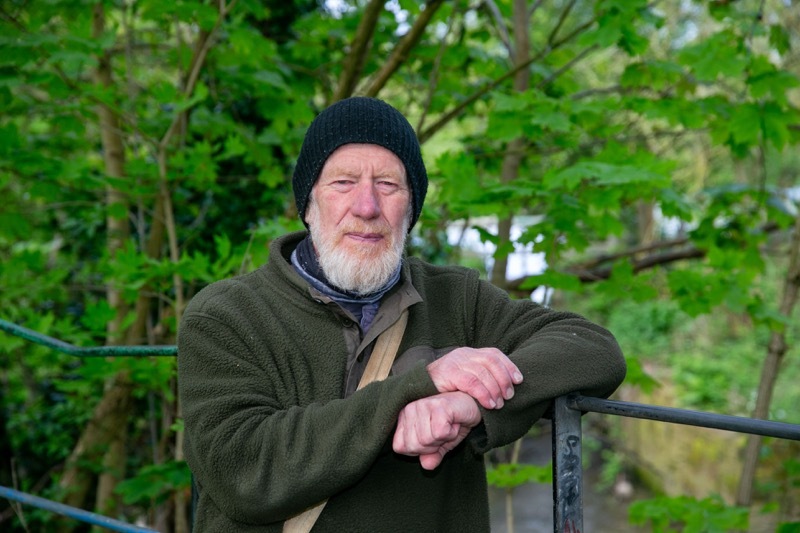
(600,174)
(272,177)
(15,226)
(697,293)
(632,42)
(778,124)
(552,120)
(118,211)
(763,313)
(458,184)
(200,93)
(745,124)
(766,80)
(503,250)
(674,205)
(223,244)
(688,514)
(651,74)
(272,79)
(636,376)
(779,38)
(511,475)
(234,147)
(503,126)
(554,279)
(607,33)
(486,236)
(154,482)
(178,426)
(719,55)
(97,316)
(510,103)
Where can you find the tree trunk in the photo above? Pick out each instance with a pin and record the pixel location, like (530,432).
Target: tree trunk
(110,414)
(401,52)
(359,51)
(103,439)
(514,151)
(118,392)
(646,227)
(769,371)
(117,228)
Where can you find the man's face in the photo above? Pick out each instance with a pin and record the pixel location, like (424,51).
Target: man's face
(358,214)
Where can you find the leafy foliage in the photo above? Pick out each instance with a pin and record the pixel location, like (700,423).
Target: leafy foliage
(155,482)
(689,514)
(511,475)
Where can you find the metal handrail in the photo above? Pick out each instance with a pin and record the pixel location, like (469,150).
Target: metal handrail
(688,417)
(72,512)
(95,351)
(567,461)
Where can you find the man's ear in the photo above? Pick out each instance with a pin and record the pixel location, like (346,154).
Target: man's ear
(310,204)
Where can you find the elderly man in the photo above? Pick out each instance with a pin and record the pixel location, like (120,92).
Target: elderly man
(282,434)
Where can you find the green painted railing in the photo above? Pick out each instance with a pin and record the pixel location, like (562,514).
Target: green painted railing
(72,512)
(97,351)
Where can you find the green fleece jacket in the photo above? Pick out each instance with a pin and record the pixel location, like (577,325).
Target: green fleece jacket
(262,367)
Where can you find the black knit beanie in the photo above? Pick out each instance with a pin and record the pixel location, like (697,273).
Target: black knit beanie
(359,120)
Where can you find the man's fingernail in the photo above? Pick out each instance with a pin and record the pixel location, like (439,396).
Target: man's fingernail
(492,404)
(517,377)
(509,393)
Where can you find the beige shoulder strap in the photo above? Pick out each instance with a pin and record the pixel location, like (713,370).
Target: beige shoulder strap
(378,368)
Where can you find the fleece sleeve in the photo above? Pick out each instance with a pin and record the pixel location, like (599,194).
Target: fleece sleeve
(259,460)
(557,353)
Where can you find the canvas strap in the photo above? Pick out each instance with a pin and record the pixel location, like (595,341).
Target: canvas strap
(378,368)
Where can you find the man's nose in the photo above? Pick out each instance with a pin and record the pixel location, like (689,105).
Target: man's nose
(366,203)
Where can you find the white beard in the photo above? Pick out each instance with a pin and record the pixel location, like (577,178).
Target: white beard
(359,271)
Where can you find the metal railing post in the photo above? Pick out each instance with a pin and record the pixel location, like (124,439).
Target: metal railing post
(567,468)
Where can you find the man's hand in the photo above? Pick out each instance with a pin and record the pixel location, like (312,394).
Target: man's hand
(432,426)
(486,374)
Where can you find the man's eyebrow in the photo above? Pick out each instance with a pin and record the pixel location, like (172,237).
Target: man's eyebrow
(342,171)
(399,174)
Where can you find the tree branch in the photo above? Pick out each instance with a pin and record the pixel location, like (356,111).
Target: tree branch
(534,8)
(568,65)
(456,111)
(598,269)
(562,17)
(202,46)
(433,80)
(500,24)
(597,91)
(463,105)
(406,44)
(359,50)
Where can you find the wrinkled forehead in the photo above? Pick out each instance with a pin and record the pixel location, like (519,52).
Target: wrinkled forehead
(356,160)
